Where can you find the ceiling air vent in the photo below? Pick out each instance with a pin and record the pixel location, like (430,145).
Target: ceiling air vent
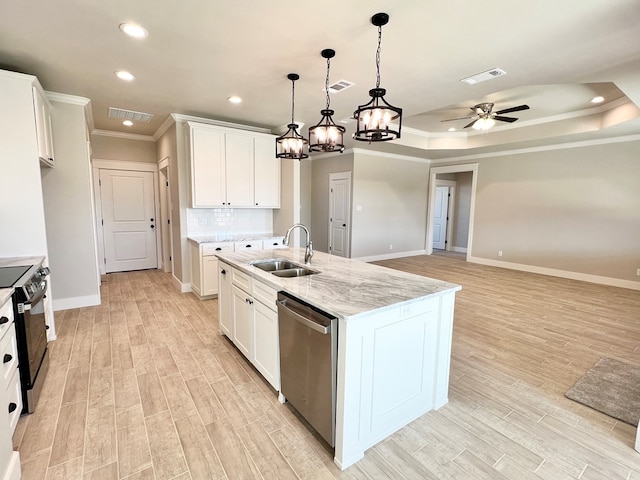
(121,114)
(340,85)
(484,76)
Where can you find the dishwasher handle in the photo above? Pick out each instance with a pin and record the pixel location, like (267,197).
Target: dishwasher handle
(304,320)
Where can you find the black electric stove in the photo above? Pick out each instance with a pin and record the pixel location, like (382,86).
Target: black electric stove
(30,287)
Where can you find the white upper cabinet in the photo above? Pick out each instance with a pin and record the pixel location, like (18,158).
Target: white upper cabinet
(267,173)
(239,162)
(208,186)
(233,168)
(44,134)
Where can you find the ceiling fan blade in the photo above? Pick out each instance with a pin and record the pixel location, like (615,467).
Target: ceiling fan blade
(460,118)
(505,119)
(471,124)
(513,109)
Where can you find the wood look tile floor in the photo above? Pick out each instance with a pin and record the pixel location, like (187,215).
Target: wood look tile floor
(144,387)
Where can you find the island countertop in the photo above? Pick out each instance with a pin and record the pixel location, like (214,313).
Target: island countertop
(343,287)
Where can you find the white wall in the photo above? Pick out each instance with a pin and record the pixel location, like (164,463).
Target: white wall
(69,212)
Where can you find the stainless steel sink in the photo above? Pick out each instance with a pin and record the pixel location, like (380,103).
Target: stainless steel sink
(294,272)
(274,264)
(282,267)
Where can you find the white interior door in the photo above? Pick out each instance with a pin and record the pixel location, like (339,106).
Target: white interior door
(339,213)
(440,218)
(128,215)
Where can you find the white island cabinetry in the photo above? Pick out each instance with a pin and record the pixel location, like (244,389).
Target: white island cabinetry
(232,168)
(394,338)
(249,317)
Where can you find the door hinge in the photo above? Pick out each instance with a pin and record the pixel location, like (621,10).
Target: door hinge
(169,221)
(102,222)
(105,260)
(448,194)
(445,241)
(167,183)
(169,257)
(99,182)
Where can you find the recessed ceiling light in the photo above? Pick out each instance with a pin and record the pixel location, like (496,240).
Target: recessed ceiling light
(127,123)
(134,30)
(452,129)
(597,99)
(235,99)
(124,75)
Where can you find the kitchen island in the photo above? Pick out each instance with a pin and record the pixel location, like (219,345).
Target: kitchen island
(394,340)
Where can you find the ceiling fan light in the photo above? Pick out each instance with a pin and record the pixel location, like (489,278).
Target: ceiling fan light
(484,124)
(373,119)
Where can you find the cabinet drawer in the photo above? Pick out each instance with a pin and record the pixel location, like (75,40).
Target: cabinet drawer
(265,295)
(6,316)
(241,280)
(213,248)
(249,245)
(14,401)
(8,356)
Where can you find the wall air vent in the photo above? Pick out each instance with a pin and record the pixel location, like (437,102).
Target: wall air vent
(122,114)
(484,76)
(339,86)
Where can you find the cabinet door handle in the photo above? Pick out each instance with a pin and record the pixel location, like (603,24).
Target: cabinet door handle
(223,272)
(7,358)
(3,320)
(12,407)
(218,249)
(247,246)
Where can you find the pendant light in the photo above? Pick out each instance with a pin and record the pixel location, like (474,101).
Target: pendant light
(326,136)
(291,144)
(373,119)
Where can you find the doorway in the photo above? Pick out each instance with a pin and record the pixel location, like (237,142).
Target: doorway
(339,213)
(165,215)
(443,216)
(431,215)
(126,211)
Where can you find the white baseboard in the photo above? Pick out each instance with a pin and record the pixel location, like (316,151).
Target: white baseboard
(459,249)
(75,302)
(585,277)
(390,256)
(183,287)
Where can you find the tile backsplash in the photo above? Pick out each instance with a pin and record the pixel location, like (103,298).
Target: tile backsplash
(229,221)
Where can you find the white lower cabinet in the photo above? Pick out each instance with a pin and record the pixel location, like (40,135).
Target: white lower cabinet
(249,317)
(204,267)
(225,305)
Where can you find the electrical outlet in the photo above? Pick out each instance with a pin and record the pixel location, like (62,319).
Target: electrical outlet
(638,272)
(499,253)
(390,247)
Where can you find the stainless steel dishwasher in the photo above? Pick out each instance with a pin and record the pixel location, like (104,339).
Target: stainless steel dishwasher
(308,362)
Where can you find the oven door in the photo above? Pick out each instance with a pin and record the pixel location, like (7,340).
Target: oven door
(35,336)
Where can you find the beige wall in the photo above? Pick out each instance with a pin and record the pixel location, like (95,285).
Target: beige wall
(320,170)
(392,194)
(68,206)
(124,149)
(167,146)
(575,209)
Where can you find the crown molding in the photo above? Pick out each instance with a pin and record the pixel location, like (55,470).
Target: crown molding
(395,156)
(127,136)
(65,98)
(178,117)
(542,148)
(164,127)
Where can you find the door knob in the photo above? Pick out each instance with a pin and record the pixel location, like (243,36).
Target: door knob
(151,219)
(153,226)
(344,224)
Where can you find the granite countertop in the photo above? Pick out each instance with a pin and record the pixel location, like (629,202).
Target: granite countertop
(18,261)
(344,287)
(5,295)
(221,238)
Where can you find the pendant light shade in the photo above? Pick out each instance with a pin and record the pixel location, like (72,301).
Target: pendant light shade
(374,118)
(326,136)
(292,144)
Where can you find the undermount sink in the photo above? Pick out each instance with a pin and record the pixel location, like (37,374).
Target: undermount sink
(281,267)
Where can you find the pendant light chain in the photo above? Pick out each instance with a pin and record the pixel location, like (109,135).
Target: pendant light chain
(378,57)
(326,82)
(293,100)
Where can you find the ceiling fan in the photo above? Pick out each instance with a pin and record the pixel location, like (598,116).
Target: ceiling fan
(484,117)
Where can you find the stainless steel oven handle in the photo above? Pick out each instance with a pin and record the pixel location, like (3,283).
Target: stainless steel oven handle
(306,321)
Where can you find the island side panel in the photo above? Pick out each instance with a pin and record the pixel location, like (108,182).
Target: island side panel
(393,366)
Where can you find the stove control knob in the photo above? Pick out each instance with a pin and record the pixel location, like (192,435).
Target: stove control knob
(44,271)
